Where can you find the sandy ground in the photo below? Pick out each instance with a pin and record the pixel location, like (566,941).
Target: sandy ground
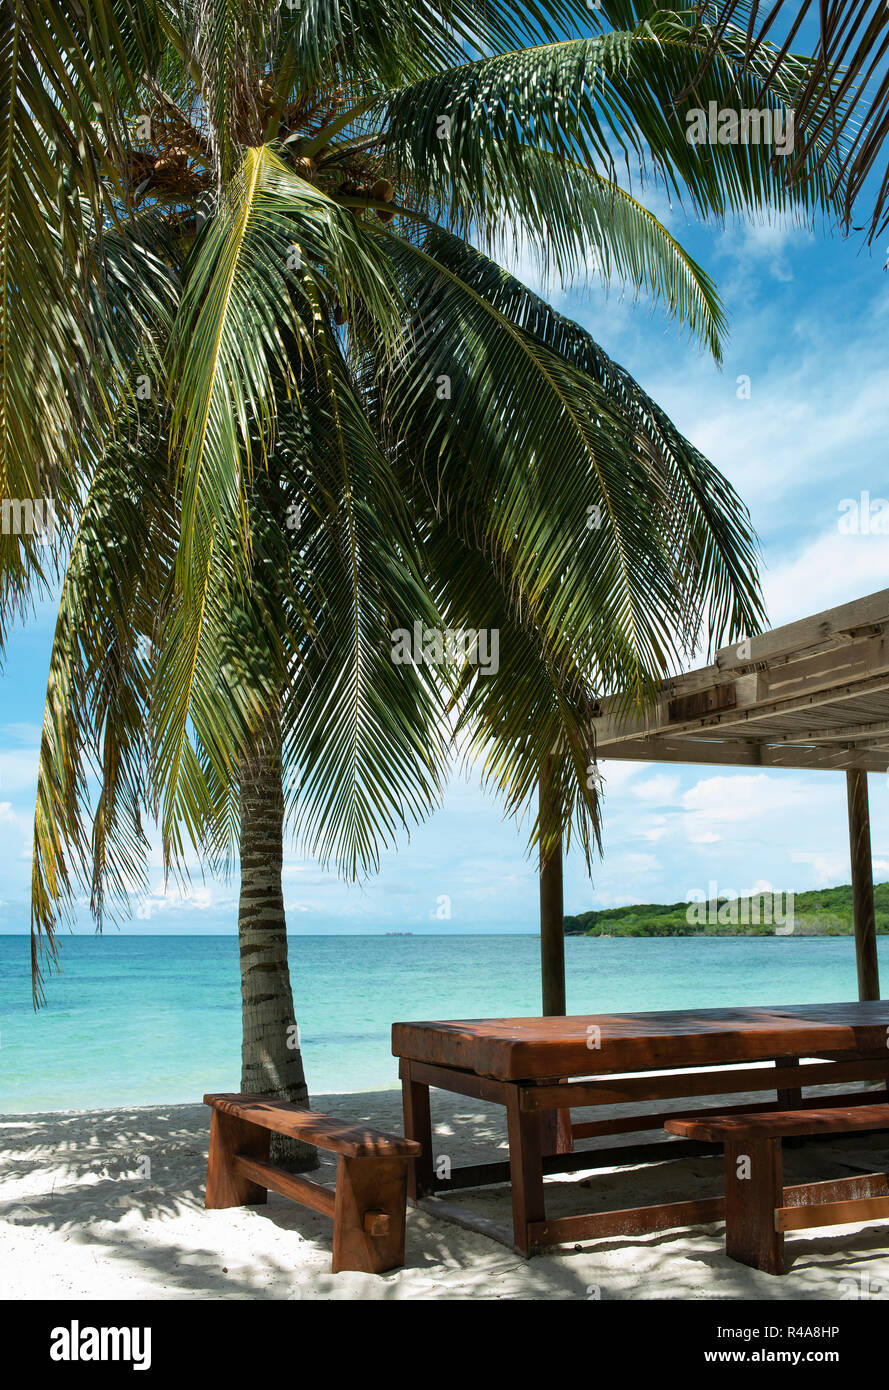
(82,1217)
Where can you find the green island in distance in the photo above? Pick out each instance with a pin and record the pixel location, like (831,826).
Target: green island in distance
(818,912)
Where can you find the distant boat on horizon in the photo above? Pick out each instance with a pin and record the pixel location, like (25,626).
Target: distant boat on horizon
(398,933)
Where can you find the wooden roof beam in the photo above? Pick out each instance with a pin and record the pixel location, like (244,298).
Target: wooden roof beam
(744,753)
(833,625)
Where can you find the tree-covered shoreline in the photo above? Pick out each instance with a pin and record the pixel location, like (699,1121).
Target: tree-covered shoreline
(817,912)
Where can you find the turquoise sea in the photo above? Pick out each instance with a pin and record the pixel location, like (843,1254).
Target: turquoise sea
(142,1020)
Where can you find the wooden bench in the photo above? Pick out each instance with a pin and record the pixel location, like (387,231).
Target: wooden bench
(368,1207)
(758,1208)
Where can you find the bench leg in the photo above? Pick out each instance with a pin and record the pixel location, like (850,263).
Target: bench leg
(230,1136)
(368,1219)
(754,1188)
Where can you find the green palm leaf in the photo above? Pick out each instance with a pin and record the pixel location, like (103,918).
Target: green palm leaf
(452,133)
(841,99)
(361,733)
(583,224)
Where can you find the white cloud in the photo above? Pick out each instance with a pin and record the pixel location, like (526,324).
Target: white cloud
(616,773)
(659,789)
(755,247)
(28,734)
(734,799)
(829,866)
(177,898)
(18,769)
(832,569)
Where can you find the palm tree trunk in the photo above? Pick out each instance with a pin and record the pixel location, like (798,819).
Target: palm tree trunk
(271,1061)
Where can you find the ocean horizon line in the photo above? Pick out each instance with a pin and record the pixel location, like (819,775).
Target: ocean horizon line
(225,935)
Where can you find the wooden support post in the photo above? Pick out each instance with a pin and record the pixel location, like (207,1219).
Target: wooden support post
(552,910)
(862,885)
(368,1221)
(417,1125)
(226,1185)
(790,1097)
(557,1136)
(753,1193)
(526,1169)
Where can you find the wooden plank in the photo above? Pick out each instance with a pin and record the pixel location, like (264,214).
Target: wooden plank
(790,1097)
(620,1090)
(499,1171)
(869,733)
(747,752)
(814,690)
(832,1214)
(462,1083)
(715,697)
(864,920)
(369,1215)
(308,1194)
(468,1220)
(578,1160)
(322,1131)
(836,1190)
(753,1190)
(832,624)
(582,1045)
(629,1221)
(558,1131)
(783,1123)
(656,1119)
(813,679)
(227,1186)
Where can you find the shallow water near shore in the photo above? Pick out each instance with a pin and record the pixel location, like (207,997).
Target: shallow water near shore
(143,1020)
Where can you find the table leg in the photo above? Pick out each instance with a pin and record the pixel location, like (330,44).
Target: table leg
(790,1098)
(557,1135)
(526,1168)
(417,1125)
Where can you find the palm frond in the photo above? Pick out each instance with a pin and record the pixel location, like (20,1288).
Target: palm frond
(841,100)
(721,550)
(584,225)
(571,468)
(95,767)
(362,734)
(63,71)
(537,709)
(619,93)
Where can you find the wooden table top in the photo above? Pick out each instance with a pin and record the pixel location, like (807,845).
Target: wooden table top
(514,1049)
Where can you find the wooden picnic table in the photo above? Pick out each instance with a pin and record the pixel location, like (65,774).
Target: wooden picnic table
(541,1068)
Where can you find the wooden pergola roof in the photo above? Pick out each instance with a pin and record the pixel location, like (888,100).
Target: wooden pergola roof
(812,694)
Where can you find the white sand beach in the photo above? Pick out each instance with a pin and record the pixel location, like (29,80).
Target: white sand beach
(79,1220)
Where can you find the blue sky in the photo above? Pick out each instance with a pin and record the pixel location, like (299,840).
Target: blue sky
(809,314)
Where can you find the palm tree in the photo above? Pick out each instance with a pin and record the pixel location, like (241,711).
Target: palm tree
(842,97)
(294,405)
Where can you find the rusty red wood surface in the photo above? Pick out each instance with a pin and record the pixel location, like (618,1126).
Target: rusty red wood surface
(322,1131)
(524,1049)
(785,1124)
